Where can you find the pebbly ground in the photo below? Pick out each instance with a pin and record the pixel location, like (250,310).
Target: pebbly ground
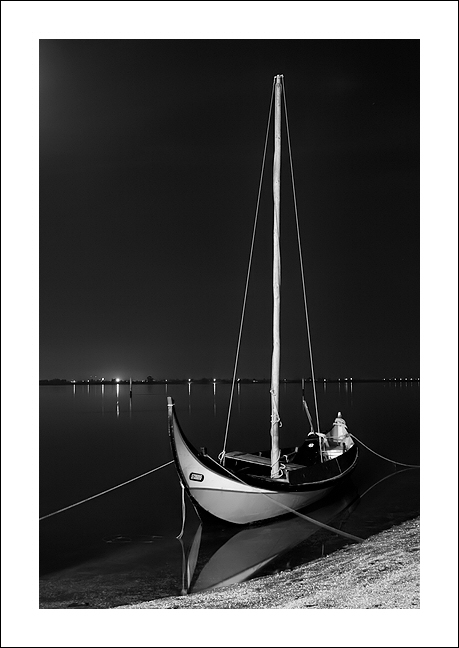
(380,573)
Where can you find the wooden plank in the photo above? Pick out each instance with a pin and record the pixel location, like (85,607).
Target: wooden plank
(257,459)
(248,458)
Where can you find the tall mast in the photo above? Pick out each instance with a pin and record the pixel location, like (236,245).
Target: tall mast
(275,366)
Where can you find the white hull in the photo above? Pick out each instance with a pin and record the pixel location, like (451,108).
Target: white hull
(224,496)
(251,504)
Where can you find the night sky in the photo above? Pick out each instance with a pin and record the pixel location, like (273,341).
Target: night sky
(150,157)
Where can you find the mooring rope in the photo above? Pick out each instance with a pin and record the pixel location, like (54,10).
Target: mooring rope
(399,463)
(398,472)
(321,524)
(105,491)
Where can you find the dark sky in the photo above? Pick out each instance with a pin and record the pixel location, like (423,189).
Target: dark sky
(150,156)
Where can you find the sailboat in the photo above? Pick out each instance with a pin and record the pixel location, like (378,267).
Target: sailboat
(246,487)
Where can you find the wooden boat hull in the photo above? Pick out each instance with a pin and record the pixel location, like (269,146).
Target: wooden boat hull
(221,493)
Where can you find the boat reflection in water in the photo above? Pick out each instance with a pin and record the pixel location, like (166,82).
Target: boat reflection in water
(245,553)
(124,569)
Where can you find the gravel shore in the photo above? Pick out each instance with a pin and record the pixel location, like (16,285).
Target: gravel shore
(381,573)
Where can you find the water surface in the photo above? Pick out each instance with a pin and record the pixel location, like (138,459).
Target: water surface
(123,547)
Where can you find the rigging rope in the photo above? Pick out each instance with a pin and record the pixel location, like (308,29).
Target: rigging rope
(301,263)
(222,453)
(306,408)
(105,491)
(399,463)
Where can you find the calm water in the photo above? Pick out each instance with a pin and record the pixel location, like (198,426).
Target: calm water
(123,545)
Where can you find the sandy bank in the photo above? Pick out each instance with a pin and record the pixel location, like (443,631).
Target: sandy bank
(382,572)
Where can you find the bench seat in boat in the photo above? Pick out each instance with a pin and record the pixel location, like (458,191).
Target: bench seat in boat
(258,459)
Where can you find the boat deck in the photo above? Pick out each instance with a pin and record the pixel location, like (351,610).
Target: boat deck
(335,464)
(258,460)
